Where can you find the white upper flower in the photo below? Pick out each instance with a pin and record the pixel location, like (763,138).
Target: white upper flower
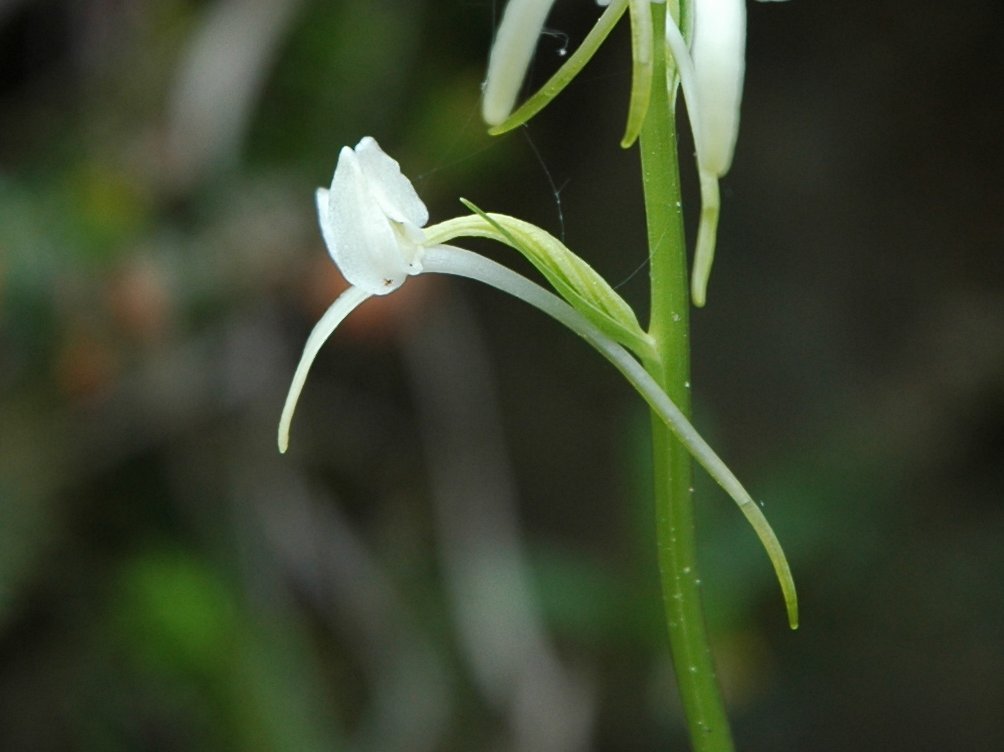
(718,57)
(719,54)
(371,219)
(711,73)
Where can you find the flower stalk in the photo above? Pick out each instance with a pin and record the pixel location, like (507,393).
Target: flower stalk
(669,327)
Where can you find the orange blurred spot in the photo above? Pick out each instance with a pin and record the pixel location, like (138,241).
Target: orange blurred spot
(85,365)
(380,318)
(139,300)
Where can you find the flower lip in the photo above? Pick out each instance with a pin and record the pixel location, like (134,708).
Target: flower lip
(371,219)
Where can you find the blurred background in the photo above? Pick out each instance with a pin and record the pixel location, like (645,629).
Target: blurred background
(457,553)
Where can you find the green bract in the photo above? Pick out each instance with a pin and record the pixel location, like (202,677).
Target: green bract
(571,277)
(641,70)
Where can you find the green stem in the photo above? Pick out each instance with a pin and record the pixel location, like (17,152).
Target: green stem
(670,366)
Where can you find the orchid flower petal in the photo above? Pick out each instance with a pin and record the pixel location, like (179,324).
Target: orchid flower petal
(370,223)
(344,304)
(711,76)
(322,197)
(688,80)
(392,190)
(719,53)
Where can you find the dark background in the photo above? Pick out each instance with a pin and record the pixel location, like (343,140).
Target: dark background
(457,553)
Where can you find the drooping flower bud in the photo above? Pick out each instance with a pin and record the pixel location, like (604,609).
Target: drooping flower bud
(719,54)
(511,54)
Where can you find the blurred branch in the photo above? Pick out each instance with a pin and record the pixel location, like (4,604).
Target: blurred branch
(6,6)
(318,548)
(219,79)
(500,627)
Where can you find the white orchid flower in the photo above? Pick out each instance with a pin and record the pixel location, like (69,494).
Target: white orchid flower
(373,223)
